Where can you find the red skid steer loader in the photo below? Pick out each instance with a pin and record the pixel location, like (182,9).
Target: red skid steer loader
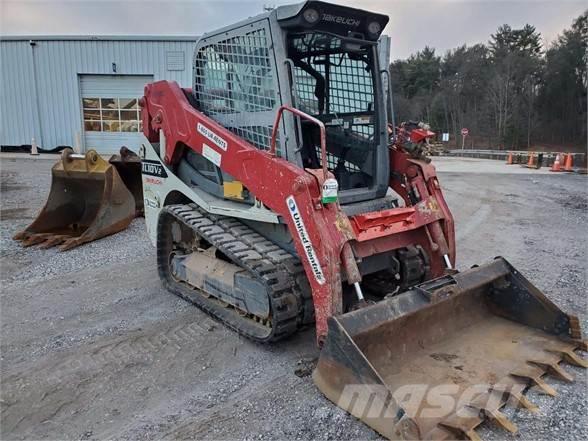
(276,198)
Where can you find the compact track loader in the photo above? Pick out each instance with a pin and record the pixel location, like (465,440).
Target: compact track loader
(89,198)
(277,198)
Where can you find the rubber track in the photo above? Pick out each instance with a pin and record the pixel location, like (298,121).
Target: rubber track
(281,272)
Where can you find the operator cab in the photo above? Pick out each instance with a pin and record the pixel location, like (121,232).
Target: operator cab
(335,77)
(317,57)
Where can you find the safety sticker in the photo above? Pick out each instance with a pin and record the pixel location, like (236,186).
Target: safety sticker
(211,154)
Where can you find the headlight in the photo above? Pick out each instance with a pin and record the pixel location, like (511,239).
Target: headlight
(311,15)
(374,27)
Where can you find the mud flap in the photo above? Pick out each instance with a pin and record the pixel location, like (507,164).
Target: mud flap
(438,360)
(88,200)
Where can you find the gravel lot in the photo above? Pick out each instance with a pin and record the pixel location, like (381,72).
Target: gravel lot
(93,348)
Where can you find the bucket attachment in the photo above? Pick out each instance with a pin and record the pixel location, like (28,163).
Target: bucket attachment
(128,166)
(438,360)
(88,200)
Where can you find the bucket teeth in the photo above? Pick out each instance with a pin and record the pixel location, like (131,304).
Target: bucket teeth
(70,243)
(34,239)
(44,240)
(536,380)
(569,356)
(488,407)
(470,434)
(501,419)
(554,369)
(52,241)
(460,430)
(20,235)
(518,398)
(462,424)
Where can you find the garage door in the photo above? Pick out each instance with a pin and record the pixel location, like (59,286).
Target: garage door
(110,109)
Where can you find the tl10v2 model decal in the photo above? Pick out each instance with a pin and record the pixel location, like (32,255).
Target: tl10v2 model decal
(153,168)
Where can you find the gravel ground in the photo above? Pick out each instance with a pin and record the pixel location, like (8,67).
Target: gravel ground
(93,348)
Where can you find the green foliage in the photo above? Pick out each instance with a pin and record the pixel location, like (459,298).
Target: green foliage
(510,92)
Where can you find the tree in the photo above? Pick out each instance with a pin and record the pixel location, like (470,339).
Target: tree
(509,92)
(464,75)
(418,81)
(562,99)
(516,63)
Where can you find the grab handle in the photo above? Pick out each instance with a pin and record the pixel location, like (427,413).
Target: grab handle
(303,115)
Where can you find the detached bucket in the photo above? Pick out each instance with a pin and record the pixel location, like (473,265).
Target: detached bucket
(436,361)
(128,166)
(88,200)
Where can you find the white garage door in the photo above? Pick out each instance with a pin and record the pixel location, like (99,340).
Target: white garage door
(110,109)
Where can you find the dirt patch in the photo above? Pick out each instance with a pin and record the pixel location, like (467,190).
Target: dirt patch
(7,186)
(9,182)
(439,356)
(575,203)
(14,213)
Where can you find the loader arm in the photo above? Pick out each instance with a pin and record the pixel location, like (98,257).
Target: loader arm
(320,232)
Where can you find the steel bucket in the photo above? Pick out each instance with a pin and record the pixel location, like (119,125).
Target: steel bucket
(88,200)
(128,166)
(436,361)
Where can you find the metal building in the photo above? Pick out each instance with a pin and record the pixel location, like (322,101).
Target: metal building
(83,91)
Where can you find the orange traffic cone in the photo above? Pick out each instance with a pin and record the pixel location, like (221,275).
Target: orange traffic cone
(530,162)
(556,167)
(509,159)
(568,163)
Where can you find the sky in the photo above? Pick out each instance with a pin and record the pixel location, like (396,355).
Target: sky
(442,24)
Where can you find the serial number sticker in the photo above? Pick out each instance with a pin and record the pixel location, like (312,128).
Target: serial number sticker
(211,136)
(211,154)
(335,122)
(361,120)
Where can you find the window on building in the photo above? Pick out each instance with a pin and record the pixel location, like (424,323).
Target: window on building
(111,115)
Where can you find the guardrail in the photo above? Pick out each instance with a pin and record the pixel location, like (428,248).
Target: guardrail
(523,155)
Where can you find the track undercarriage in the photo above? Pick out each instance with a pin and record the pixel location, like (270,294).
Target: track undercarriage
(251,284)
(233,273)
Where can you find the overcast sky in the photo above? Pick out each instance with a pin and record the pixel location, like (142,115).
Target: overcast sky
(441,24)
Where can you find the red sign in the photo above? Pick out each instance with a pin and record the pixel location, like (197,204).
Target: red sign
(465,132)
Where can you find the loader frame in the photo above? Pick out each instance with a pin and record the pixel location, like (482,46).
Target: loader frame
(328,242)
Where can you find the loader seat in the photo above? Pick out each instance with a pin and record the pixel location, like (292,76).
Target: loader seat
(310,146)
(348,174)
